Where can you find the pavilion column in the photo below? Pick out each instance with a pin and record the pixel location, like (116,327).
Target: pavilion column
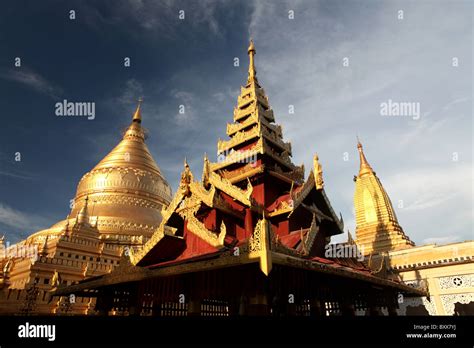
(290,307)
(258,305)
(373,311)
(234,306)
(243,306)
(392,305)
(103,304)
(347,308)
(156,309)
(134,308)
(259,302)
(194,308)
(248,222)
(392,311)
(277,306)
(317,309)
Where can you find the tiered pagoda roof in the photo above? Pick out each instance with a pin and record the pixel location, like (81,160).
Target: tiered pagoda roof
(252,207)
(253,197)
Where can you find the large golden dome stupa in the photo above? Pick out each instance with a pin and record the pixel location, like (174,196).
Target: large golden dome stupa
(126,189)
(125,192)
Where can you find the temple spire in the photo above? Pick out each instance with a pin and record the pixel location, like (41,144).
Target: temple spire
(135,130)
(377,227)
(365,167)
(137,116)
(83,216)
(252,72)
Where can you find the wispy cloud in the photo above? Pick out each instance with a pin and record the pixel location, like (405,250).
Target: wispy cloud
(132,91)
(185,110)
(16,175)
(299,63)
(32,80)
(20,220)
(164,16)
(10,170)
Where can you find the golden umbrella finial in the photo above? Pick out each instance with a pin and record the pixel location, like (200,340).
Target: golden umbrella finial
(251,51)
(137,116)
(251,47)
(365,167)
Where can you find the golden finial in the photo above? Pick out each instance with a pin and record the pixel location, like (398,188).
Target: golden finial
(365,167)
(137,116)
(66,227)
(251,51)
(318,173)
(186,179)
(83,215)
(205,170)
(251,47)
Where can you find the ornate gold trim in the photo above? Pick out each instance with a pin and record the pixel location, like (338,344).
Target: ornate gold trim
(305,190)
(275,139)
(243,172)
(166,212)
(282,208)
(283,158)
(198,228)
(235,192)
(296,175)
(310,236)
(206,196)
(318,173)
(136,256)
(238,138)
(260,245)
(255,109)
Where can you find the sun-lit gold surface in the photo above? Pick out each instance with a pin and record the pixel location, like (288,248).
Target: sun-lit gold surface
(126,192)
(126,188)
(125,197)
(318,172)
(118,203)
(444,270)
(377,227)
(255,146)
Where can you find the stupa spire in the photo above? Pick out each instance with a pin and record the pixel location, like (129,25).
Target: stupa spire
(252,72)
(254,135)
(83,216)
(377,227)
(137,116)
(365,167)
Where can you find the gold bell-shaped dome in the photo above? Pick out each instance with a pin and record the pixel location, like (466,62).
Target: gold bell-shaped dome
(126,189)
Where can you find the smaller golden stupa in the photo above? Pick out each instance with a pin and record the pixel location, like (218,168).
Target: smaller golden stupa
(377,228)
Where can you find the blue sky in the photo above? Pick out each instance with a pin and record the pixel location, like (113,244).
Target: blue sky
(190,62)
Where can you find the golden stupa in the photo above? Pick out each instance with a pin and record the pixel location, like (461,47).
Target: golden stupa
(377,228)
(125,192)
